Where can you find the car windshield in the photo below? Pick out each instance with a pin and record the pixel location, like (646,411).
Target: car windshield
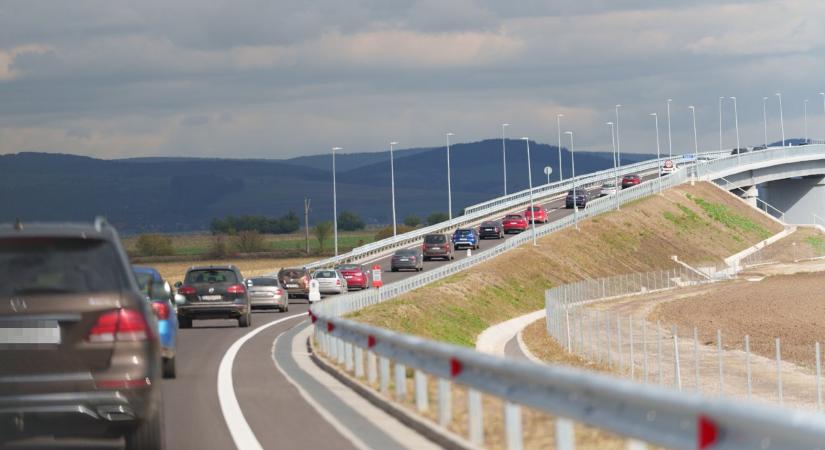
(406,252)
(211,276)
(435,239)
(59,265)
(325,274)
(264,281)
(535,208)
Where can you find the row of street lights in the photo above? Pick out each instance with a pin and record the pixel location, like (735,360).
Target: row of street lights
(617,162)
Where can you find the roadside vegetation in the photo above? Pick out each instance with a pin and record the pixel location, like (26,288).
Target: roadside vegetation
(700,224)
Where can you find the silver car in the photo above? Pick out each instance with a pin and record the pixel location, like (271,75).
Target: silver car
(330,281)
(266,292)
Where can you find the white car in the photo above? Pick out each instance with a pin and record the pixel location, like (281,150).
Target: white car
(330,281)
(667,170)
(609,188)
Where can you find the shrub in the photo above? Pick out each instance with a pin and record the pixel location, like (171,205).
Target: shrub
(437,217)
(349,221)
(322,231)
(219,247)
(250,241)
(412,221)
(387,231)
(154,245)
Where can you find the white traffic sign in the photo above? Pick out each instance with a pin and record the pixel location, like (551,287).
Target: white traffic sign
(314,291)
(548,170)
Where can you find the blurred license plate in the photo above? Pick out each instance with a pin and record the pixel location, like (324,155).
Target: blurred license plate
(35,332)
(291,285)
(347,276)
(435,248)
(404,259)
(211,297)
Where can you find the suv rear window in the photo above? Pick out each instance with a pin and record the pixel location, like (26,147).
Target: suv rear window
(264,281)
(291,273)
(435,239)
(463,232)
(211,276)
(59,265)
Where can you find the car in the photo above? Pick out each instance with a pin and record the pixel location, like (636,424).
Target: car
(609,188)
(514,222)
(266,292)
(407,258)
(537,211)
(739,150)
(582,197)
(437,246)
(214,292)
(330,281)
(491,229)
(357,276)
(159,294)
(80,355)
(760,147)
(295,281)
(631,180)
(465,237)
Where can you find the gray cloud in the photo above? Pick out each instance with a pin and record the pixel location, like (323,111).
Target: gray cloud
(274,79)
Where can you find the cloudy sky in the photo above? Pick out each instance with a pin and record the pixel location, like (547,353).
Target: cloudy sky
(281,78)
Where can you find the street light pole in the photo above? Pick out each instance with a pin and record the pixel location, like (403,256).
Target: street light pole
(823,101)
(334,201)
(765,119)
(781,118)
(615,168)
(736,121)
(558,128)
(695,138)
(805,114)
(392,182)
(658,150)
(669,136)
(449,187)
(720,123)
(530,183)
(573,166)
(504,155)
(618,141)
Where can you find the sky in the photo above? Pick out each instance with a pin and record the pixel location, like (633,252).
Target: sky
(284,78)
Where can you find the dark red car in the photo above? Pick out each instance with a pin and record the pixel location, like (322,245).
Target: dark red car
(537,214)
(357,276)
(631,180)
(514,223)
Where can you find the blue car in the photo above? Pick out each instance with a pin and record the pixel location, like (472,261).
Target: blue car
(465,237)
(158,291)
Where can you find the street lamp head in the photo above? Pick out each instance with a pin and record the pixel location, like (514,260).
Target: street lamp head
(559,115)
(653,114)
(778,94)
(764,98)
(450,134)
(569,132)
(393,143)
(822,93)
(505,124)
(691,107)
(618,106)
(526,138)
(733,98)
(669,100)
(336,148)
(609,123)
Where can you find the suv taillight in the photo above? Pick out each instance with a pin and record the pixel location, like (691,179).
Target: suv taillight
(187,290)
(161,310)
(236,289)
(119,325)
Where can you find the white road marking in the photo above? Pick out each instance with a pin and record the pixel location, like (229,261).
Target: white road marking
(241,433)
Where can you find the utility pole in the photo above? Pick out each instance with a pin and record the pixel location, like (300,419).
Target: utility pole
(307,202)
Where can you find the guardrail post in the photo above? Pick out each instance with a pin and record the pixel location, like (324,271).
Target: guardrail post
(400,382)
(359,362)
(333,348)
(422,395)
(512,426)
(384,371)
(348,356)
(445,407)
(476,422)
(341,346)
(565,437)
(372,370)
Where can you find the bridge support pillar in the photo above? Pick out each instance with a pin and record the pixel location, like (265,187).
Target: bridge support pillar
(802,199)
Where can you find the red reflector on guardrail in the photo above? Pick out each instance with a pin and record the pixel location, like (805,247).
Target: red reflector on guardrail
(455,367)
(370,341)
(312,317)
(330,327)
(707,433)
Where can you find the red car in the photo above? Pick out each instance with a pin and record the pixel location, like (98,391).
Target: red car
(357,276)
(539,213)
(630,181)
(514,222)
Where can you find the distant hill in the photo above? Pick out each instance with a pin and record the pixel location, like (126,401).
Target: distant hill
(185,194)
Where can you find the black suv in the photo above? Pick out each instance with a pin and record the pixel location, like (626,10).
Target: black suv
(582,197)
(214,292)
(79,350)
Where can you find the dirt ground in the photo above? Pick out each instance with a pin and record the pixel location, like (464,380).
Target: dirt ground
(174,271)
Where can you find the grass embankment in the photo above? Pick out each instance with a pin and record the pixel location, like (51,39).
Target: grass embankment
(700,224)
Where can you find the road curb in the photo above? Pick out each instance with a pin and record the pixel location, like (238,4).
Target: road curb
(441,437)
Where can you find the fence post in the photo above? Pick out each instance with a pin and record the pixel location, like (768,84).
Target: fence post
(676,366)
(696,358)
(445,411)
(644,349)
(619,342)
(476,424)
(632,360)
(581,332)
(748,364)
(607,329)
(659,351)
(779,371)
(818,380)
(565,438)
(512,426)
(721,370)
(421,392)
(594,347)
(567,328)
